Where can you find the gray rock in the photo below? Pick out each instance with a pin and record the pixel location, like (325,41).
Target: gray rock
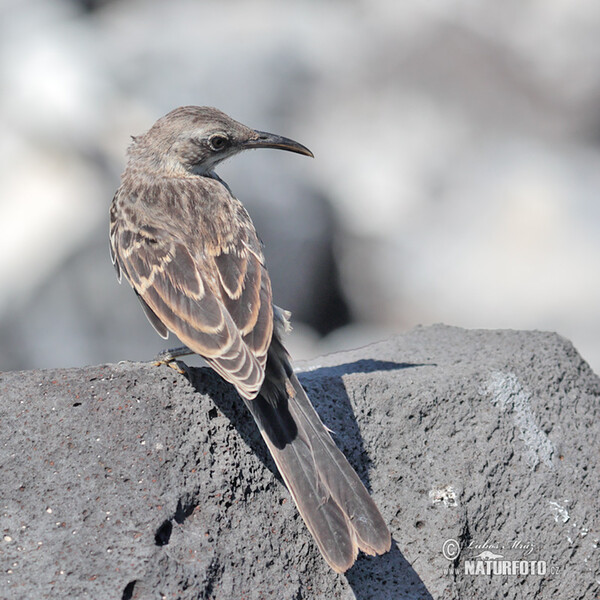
(129,481)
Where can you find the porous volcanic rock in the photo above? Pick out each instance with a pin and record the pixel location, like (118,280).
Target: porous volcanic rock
(130,481)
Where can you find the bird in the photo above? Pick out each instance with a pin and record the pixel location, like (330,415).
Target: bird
(191,253)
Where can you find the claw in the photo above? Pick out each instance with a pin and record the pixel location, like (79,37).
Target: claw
(169,358)
(176,365)
(171,362)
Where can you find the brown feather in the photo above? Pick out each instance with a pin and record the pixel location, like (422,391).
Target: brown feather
(232,272)
(219,318)
(332,500)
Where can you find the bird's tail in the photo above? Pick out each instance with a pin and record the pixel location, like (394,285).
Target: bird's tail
(329,495)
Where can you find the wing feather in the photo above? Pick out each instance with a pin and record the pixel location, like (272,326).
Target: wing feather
(244,307)
(258,338)
(158,325)
(232,273)
(217,302)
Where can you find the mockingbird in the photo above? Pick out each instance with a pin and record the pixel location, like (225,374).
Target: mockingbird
(190,251)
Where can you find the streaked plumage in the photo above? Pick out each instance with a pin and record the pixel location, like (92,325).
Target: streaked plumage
(190,251)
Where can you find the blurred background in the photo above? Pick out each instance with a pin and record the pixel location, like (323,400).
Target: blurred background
(456,176)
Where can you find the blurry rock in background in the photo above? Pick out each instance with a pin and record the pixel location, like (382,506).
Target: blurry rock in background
(456,176)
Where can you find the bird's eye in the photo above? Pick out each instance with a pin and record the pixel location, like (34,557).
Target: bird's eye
(218,141)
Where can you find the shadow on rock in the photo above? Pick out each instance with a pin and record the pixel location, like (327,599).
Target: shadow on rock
(319,383)
(381,577)
(387,576)
(326,389)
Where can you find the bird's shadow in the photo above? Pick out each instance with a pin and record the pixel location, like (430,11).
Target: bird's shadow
(382,577)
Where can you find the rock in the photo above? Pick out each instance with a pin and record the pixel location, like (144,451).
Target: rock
(131,481)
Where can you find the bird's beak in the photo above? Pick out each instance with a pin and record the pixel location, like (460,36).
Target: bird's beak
(270,140)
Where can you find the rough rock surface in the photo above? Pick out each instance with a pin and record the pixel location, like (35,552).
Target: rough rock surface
(129,481)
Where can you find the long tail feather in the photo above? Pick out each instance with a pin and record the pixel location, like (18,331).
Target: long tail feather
(330,497)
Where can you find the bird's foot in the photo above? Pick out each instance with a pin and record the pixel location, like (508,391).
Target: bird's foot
(176,365)
(169,358)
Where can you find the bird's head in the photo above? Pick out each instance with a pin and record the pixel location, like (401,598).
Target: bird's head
(194,139)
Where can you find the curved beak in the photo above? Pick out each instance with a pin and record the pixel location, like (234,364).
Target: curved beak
(270,140)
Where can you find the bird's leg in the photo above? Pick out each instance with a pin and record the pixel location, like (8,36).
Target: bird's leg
(169,358)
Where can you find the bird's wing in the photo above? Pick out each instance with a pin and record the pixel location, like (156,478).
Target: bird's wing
(218,302)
